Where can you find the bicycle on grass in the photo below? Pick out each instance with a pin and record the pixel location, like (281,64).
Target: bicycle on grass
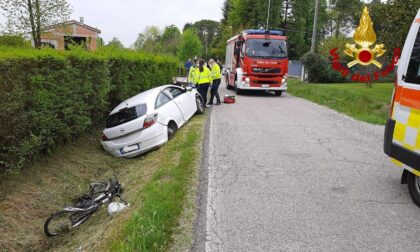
(70,217)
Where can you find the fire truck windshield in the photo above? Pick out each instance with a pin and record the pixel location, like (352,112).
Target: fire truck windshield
(263,48)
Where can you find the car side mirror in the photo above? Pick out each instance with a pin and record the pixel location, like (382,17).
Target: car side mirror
(189,89)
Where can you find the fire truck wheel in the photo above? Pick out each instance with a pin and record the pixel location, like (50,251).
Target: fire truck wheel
(228,87)
(237,90)
(413,183)
(278,93)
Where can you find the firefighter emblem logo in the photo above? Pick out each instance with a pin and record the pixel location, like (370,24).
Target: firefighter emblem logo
(365,38)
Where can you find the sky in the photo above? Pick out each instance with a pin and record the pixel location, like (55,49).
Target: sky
(125,19)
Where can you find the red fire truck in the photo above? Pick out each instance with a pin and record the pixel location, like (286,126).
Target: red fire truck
(257,60)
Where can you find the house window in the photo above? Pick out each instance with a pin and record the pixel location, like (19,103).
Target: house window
(72,40)
(47,44)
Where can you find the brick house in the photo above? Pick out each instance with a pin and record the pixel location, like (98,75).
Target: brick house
(60,36)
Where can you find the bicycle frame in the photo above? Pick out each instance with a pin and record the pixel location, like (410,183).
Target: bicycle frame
(103,198)
(87,205)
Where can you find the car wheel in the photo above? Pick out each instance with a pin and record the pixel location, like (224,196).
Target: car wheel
(278,93)
(413,183)
(172,128)
(200,106)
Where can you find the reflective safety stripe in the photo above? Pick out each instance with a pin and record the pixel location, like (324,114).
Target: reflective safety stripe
(408,97)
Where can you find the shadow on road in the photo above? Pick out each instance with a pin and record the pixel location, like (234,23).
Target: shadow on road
(258,93)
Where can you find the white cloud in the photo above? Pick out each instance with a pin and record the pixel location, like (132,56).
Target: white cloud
(124,19)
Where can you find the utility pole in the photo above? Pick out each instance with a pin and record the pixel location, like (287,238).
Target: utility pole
(285,14)
(268,13)
(205,39)
(315,26)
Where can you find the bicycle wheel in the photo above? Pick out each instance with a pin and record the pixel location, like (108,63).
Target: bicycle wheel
(58,223)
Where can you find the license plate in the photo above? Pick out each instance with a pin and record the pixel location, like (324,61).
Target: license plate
(130,148)
(265,86)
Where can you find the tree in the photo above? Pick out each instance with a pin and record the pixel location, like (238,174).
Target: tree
(245,14)
(170,39)
(149,40)
(190,45)
(115,43)
(187,26)
(206,31)
(14,41)
(226,9)
(139,43)
(343,15)
(34,16)
(218,48)
(300,25)
(334,42)
(392,20)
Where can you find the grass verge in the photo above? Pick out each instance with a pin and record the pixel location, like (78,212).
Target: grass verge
(151,227)
(155,185)
(354,99)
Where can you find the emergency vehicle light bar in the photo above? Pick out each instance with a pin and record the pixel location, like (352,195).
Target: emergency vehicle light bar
(263,32)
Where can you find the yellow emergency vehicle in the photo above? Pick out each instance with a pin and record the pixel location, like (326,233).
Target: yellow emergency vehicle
(402,131)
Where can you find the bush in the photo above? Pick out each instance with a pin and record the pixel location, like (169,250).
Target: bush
(319,69)
(134,72)
(334,76)
(14,41)
(334,42)
(316,67)
(48,98)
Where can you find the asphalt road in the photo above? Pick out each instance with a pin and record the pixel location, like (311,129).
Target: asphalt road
(285,174)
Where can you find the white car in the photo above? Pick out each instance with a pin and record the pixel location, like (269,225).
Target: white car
(147,120)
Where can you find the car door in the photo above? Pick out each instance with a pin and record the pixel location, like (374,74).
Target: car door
(167,109)
(403,130)
(185,101)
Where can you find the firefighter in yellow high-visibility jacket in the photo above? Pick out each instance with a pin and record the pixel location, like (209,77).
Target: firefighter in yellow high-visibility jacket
(216,76)
(203,79)
(191,74)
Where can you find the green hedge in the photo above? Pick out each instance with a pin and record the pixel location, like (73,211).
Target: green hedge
(130,71)
(48,98)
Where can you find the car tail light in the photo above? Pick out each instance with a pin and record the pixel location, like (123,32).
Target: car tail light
(104,138)
(150,120)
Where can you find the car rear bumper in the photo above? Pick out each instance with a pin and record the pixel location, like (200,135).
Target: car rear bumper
(147,139)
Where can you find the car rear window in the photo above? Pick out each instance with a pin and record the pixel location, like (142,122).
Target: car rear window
(126,115)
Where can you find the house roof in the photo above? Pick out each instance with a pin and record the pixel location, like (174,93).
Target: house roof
(71,22)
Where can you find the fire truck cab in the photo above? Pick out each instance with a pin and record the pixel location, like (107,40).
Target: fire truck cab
(402,131)
(257,60)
